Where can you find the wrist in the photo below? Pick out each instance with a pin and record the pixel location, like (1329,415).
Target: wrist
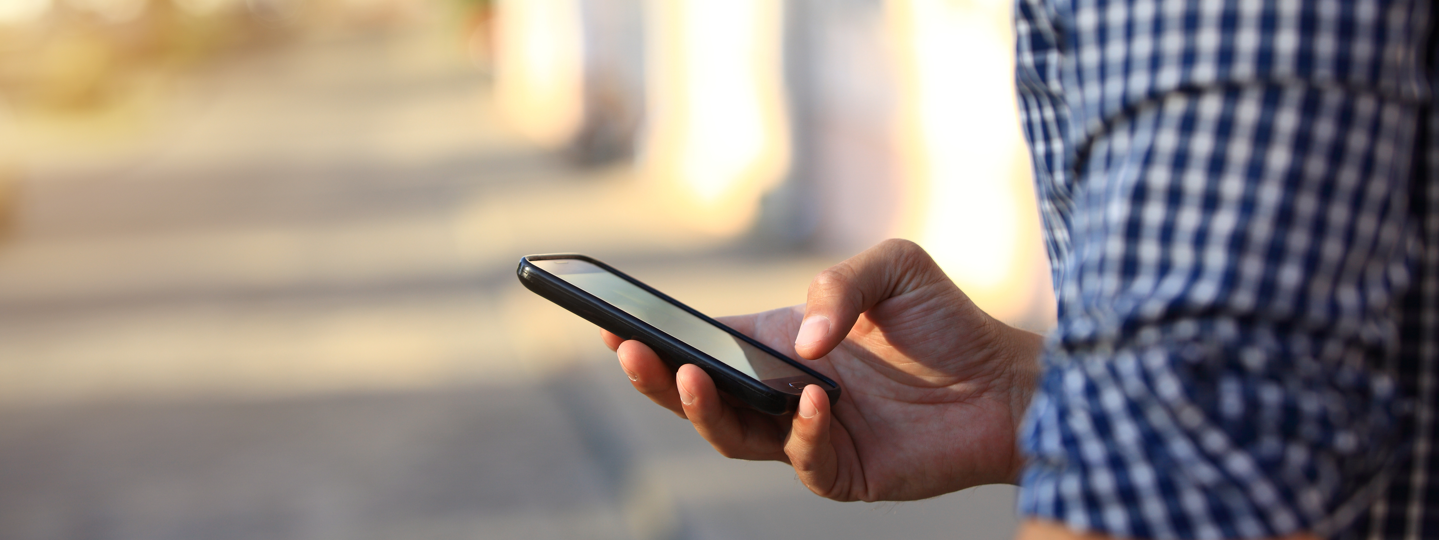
(1022,358)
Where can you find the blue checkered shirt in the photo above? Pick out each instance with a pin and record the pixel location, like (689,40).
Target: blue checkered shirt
(1240,205)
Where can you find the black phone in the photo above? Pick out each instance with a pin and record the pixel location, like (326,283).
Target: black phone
(757,375)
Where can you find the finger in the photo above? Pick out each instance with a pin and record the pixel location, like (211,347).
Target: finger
(722,425)
(649,375)
(841,293)
(808,446)
(611,340)
(745,324)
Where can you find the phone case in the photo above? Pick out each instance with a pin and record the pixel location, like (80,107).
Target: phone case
(673,351)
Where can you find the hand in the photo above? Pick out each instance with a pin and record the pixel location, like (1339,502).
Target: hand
(932,387)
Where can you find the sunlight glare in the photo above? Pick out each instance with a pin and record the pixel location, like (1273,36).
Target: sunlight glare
(717,134)
(539,62)
(22,11)
(964,145)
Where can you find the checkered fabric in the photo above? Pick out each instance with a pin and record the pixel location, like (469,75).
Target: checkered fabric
(1240,205)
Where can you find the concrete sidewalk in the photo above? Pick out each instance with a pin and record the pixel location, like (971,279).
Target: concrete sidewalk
(290,312)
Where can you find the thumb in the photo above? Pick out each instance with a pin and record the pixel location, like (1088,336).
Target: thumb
(842,292)
(808,446)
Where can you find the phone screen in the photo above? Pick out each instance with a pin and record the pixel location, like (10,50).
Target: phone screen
(679,324)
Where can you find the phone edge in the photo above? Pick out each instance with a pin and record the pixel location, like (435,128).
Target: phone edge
(776,402)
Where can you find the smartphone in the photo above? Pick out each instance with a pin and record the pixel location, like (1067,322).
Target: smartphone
(758,376)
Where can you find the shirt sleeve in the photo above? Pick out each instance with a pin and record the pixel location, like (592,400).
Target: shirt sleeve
(1235,239)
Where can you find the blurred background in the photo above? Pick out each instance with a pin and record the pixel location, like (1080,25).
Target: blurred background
(256,256)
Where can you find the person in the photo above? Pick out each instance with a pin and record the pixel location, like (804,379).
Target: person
(1240,209)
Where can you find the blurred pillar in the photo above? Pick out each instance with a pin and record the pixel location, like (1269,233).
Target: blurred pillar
(539,68)
(569,74)
(843,192)
(614,81)
(971,202)
(716,132)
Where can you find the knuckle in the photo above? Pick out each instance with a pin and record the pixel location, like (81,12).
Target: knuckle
(837,282)
(835,277)
(906,250)
(901,245)
(800,460)
(909,258)
(801,451)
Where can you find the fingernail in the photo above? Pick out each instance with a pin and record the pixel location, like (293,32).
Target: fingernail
(807,408)
(686,397)
(632,376)
(812,330)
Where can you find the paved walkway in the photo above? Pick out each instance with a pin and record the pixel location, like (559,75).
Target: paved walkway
(290,312)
